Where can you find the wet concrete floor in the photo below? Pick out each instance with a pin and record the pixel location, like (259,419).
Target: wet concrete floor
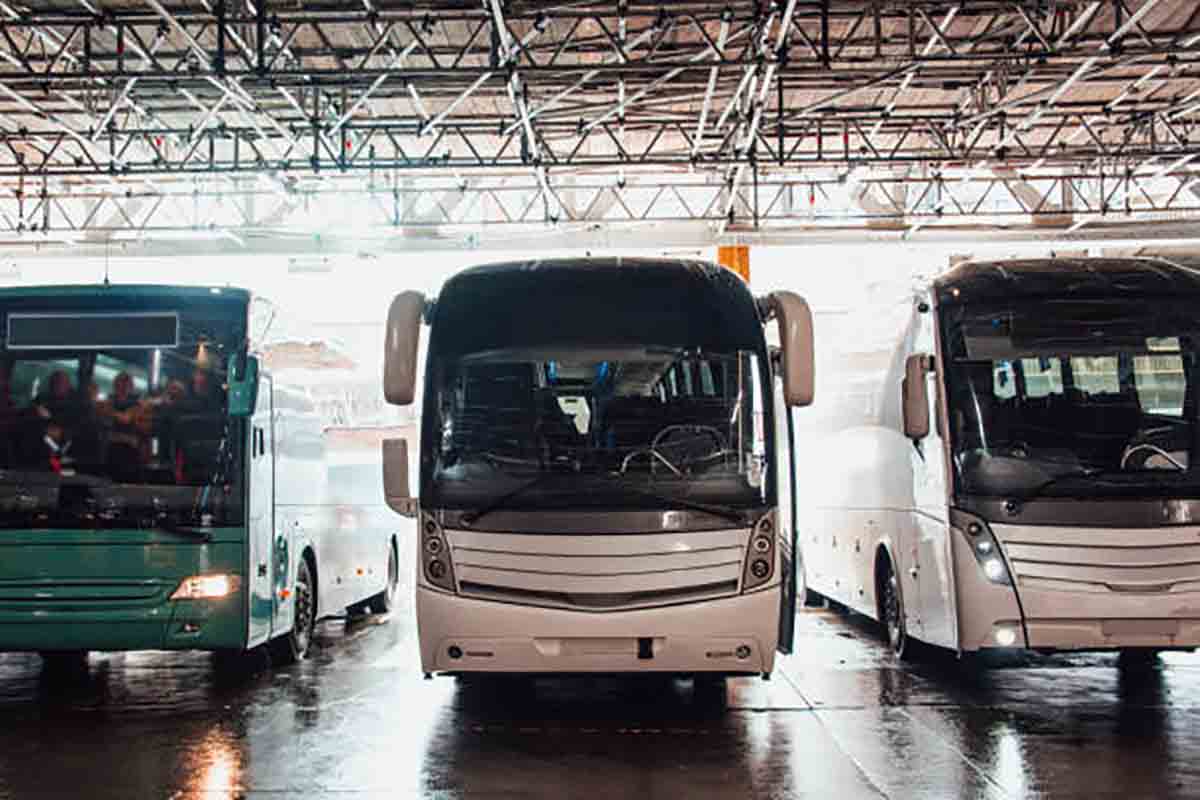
(842,719)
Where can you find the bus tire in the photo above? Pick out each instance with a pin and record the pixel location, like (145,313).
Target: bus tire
(62,662)
(891,610)
(1137,657)
(385,601)
(294,645)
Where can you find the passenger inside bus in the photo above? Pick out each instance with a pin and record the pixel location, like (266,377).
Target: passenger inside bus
(132,433)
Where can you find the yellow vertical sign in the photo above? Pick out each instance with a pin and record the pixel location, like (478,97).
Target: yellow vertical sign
(735,257)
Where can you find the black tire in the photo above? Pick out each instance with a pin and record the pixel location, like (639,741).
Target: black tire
(385,601)
(294,645)
(891,612)
(1137,657)
(64,661)
(231,665)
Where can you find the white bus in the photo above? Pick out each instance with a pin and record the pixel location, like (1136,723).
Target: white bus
(605,481)
(1007,459)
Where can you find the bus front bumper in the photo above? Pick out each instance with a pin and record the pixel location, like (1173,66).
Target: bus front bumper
(727,636)
(1058,620)
(170,625)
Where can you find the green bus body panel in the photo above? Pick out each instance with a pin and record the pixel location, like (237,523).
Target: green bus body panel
(117,291)
(110,590)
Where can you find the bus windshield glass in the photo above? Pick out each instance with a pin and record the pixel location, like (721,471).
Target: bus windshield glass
(1074,398)
(95,436)
(648,427)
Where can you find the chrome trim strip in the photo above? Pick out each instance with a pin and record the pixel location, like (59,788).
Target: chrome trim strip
(596,522)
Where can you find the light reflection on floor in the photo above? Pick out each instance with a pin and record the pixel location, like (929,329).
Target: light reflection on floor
(840,719)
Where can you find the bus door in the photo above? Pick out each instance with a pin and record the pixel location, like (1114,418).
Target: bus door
(932,593)
(786,534)
(260,532)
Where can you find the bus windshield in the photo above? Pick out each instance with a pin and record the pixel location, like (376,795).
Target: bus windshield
(121,436)
(620,427)
(1074,397)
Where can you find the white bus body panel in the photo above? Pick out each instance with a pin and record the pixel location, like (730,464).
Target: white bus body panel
(865,491)
(514,611)
(351,562)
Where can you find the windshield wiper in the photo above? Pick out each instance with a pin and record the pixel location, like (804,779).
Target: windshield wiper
(1044,486)
(727,512)
(471,517)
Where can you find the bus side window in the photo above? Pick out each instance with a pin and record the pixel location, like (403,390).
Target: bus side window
(1043,376)
(708,386)
(1004,381)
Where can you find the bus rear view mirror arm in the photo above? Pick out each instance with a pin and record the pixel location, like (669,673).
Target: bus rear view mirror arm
(915,397)
(792,314)
(395,478)
(400,347)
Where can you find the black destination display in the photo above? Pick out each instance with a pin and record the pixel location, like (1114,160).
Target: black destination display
(92,331)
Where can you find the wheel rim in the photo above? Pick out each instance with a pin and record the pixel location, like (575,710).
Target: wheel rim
(304,609)
(892,613)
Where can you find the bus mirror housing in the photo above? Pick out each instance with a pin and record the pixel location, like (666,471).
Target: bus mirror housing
(400,348)
(915,398)
(395,478)
(796,338)
(243,385)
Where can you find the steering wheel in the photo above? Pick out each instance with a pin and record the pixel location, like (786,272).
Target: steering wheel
(693,431)
(654,457)
(1154,450)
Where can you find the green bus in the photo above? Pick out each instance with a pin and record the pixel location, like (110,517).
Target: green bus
(158,490)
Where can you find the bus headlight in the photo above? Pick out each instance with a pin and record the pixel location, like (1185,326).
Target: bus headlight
(1006,635)
(760,558)
(206,587)
(995,571)
(983,546)
(435,554)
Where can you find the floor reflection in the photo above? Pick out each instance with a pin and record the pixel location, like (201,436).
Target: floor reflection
(216,764)
(841,718)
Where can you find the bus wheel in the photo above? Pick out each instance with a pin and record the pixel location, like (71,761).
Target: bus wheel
(62,662)
(1137,658)
(293,646)
(385,601)
(892,611)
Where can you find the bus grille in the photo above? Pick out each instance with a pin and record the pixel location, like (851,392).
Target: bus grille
(68,595)
(1133,561)
(598,572)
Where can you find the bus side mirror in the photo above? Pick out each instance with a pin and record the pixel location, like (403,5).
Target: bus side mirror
(243,385)
(796,339)
(395,478)
(915,398)
(400,348)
